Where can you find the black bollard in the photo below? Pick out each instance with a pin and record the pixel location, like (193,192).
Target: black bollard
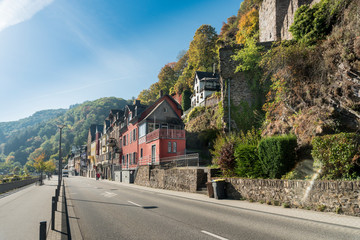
(53,209)
(56,195)
(42,230)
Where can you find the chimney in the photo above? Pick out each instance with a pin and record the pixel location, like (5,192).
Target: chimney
(161,93)
(136,102)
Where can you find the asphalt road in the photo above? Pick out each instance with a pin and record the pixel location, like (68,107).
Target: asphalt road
(108,210)
(22,210)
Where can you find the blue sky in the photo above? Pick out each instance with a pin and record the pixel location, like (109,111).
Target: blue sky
(55,53)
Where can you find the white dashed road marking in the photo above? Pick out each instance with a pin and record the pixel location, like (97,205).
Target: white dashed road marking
(135,204)
(214,235)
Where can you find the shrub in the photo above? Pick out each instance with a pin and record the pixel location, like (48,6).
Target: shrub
(247,161)
(223,153)
(224,149)
(277,155)
(337,155)
(227,159)
(196,111)
(315,23)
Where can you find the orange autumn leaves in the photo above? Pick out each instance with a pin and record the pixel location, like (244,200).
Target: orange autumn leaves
(248,26)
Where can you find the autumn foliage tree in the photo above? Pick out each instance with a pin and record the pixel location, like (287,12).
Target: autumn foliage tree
(39,164)
(248,26)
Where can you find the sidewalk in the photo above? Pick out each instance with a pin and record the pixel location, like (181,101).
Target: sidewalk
(301,214)
(60,231)
(22,210)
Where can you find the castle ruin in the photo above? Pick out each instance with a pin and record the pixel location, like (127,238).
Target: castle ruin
(276,17)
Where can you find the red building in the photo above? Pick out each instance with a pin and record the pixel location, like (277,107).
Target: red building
(150,135)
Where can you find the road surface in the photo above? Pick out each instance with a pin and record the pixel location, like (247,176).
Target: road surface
(108,210)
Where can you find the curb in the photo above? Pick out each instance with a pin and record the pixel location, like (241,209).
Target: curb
(73,220)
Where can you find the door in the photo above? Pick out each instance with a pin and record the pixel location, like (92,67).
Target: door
(153,154)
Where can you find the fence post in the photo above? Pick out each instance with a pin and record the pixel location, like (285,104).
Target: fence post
(42,234)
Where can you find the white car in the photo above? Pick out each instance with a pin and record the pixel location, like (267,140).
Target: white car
(65,173)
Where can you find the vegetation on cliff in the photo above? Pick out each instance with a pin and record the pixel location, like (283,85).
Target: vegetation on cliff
(311,83)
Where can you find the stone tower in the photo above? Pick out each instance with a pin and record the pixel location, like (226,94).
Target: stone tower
(276,17)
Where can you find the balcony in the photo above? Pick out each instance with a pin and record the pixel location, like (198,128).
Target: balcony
(165,134)
(111,142)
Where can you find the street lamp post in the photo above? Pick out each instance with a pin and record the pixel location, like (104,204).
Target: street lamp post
(60,160)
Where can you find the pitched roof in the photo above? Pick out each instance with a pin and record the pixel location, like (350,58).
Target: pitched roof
(203,76)
(150,108)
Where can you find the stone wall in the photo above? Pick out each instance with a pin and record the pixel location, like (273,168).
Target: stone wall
(239,89)
(178,179)
(329,196)
(5,187)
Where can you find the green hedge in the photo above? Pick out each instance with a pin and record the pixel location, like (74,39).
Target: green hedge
(337,155)
(247,161)
(277,155)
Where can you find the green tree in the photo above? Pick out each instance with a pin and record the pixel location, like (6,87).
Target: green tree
(202,54)
(186,101)
(16,170)
(167,78)
(314,23)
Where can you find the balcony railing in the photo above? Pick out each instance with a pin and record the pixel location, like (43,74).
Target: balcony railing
(186,160)
(165,134)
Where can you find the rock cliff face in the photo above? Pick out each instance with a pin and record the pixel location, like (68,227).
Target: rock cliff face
(323,94)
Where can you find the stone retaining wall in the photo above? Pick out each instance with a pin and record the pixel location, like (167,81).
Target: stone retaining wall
(178,179)
(329,196)
(5,187)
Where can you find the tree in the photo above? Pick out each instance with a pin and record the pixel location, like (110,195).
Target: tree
(202,50)
(16,170)
(202,55)
(40,165)
(248,26)
(186,101)
(50,166)
(167,78)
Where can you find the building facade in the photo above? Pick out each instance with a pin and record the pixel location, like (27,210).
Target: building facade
(137,135)
(205,84)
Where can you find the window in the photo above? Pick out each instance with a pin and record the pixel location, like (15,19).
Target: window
(153,127)
(165,109)
(142,130)
(134,157)
(169,147)
(134,135)
(174,147)
(131,137)
(130,158)
(124,140)
(141,153)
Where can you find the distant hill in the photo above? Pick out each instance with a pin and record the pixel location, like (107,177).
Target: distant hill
(44,134)
(8,128)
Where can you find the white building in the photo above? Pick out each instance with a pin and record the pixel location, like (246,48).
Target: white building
(205,84)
